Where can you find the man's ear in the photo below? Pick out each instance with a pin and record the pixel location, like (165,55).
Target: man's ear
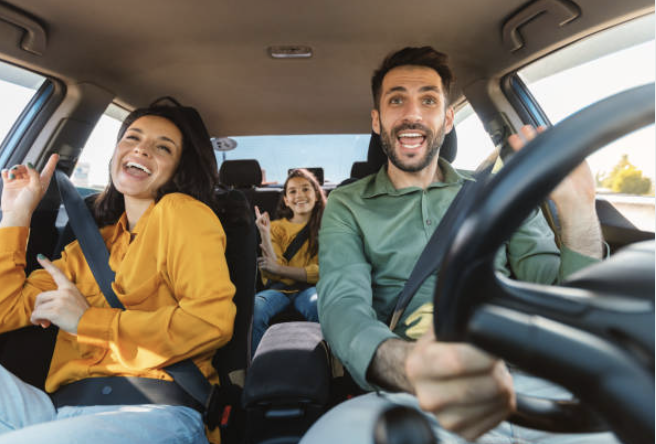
(449,116)
(375,121)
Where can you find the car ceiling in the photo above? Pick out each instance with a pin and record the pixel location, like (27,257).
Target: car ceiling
(213,54)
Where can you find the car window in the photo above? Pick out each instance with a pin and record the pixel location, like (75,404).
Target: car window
(17,87)
(474,143)
(589,71)
(335,153)
(92,168)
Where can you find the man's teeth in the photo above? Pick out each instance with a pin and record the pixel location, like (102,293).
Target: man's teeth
(406,136)
(139,167)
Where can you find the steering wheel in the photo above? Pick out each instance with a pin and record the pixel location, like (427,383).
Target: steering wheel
(593,334)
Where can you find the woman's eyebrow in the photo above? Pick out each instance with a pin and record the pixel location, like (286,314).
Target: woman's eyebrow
(164,138)
(168,139)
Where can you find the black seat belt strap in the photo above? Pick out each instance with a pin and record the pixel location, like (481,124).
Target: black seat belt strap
(91,242)
(289,253)
(431,257)
(185,373)
(297,243)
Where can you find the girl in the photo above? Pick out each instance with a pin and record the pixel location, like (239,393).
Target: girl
(290,276)
(167,248)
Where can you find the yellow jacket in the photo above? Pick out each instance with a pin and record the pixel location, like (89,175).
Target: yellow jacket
(283,233)
(172,278)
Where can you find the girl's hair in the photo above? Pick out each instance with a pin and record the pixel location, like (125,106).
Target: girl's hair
(196,174)
(315,218)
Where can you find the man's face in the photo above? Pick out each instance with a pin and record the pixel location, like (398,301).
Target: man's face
(413,117)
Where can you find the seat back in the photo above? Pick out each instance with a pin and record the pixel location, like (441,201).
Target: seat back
(27,352)
(240,174)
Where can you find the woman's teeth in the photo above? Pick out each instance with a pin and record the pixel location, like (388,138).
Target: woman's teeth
(139,167)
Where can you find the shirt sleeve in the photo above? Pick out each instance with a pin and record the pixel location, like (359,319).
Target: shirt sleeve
(277,240)
(348,320)
(18,293)
(312,273)
(192,246)
(534,257)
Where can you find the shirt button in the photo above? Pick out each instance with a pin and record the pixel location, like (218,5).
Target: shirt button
(428,221)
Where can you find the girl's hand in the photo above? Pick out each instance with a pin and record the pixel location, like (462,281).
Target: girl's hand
(262,221)
(267,262)
(63,307)
(22,190)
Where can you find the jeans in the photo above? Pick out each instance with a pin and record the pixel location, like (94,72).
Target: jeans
(27,416)
(352,422)
(269,303)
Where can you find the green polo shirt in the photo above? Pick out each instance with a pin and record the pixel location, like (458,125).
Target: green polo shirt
(370,239)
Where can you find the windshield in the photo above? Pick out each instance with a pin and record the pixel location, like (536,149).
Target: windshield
(335,153)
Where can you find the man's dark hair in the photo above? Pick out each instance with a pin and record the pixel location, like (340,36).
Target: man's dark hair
(424,56)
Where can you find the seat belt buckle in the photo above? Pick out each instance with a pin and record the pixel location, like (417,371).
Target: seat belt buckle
(212,416)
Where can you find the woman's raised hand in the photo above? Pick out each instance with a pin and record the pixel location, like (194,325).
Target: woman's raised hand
(22,190)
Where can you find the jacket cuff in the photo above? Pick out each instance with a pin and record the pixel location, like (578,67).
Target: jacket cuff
(14,240)
(312,273)
(94,327)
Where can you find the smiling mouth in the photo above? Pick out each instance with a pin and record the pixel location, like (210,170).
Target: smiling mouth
(139,167)
(411,140)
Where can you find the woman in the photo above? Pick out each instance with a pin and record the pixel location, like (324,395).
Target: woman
(167,248)
(291,279)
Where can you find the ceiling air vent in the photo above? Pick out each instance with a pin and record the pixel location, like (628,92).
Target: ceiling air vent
(290,52)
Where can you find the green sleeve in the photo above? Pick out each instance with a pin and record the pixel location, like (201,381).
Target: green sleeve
(534,257)
(348,320)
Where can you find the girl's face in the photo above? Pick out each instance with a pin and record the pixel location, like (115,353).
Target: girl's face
(300,197)
(146,157)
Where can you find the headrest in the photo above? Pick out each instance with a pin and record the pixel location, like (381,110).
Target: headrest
(376,158)
(361,169)
(243,173)
(316,171)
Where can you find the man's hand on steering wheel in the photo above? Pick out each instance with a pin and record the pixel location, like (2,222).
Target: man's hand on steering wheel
(574,198)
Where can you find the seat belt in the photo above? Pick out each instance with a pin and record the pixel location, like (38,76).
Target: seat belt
(289,253)
(433,253)
(185,373)
(297,243)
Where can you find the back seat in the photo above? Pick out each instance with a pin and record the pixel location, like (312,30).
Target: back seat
(246,175)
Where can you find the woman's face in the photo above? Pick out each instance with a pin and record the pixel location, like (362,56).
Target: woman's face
(300,195)
(146,157)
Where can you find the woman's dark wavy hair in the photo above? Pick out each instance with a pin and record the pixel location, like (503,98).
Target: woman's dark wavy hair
(317,212)
(196,175)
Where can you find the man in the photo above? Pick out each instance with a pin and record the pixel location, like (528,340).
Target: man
(372,234)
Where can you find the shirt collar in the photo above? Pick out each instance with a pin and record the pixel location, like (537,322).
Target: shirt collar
(381,183)
(122,223)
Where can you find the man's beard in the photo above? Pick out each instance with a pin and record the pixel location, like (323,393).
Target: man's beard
(433,141)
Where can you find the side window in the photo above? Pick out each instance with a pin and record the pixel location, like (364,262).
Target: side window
(92,168)
(591,70)
(474,143)
(17,87)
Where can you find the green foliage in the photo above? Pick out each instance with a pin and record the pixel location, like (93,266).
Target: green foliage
(625,178)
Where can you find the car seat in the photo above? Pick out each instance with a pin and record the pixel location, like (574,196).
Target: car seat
(231,361)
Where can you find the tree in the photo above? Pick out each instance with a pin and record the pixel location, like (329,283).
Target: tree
(626,178)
